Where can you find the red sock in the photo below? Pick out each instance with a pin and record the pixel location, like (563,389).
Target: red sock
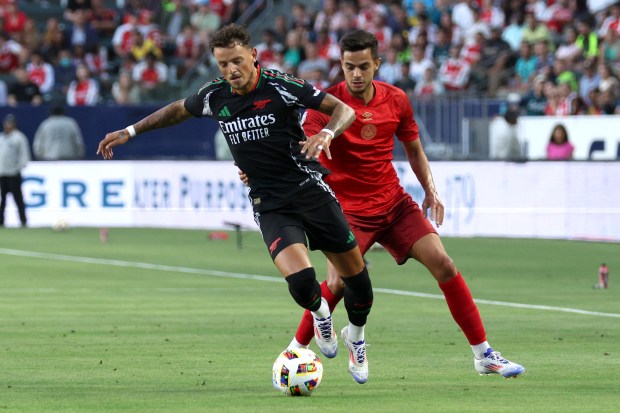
(305,331)
(463,309)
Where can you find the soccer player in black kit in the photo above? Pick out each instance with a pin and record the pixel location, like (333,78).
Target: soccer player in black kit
(258,112)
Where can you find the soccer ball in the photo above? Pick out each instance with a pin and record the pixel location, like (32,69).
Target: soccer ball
(60,225)
(297,372)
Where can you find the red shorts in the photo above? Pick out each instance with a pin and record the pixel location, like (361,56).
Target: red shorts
(397,230)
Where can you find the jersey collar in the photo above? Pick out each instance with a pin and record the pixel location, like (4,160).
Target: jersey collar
(259,73)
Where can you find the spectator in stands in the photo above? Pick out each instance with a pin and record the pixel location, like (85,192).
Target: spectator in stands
(397,18)
(14,155)
(40,73)
(608,102)
(610,49)
(300,18)
(478,26)
(76,6)
(312,62)
(22,90)
(64,73)
(559,147)
(175,16)
(441,49)
(556,15)
(11,54)
(608,80)
(536,31)
(150,74)
(80,32)
(463,14)
(589,80)
(205,21)
(266,50)
(587,40)
(553,99)
(544,59)
(123,36)
(503,137)
(294,53)
(58,138)
(513,33)
(389,70)
(454,31)
(14,21)
(53,39)
(611,22)
(84,91)
(535,99)
(103,19)
(567,104)
(141,47)
(594,107)
(406,82)
(491,14)
(329,17)
(429,86)
(569,49)
(125,91)
(496,64)
(525,68)
(454,72)
(189,50)
(141,8)
(31,38)
(419,63)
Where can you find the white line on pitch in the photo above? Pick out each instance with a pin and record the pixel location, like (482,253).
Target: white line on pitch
(199,271)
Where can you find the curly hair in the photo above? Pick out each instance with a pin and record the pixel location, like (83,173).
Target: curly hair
(230,36)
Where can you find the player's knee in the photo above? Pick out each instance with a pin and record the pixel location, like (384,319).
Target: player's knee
(305,289)
(358,297)
(443,268)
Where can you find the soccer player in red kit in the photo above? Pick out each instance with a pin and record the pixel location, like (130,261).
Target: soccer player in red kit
(376,205)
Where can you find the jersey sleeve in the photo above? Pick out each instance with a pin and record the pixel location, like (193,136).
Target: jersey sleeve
(407,130)
(198,104)
(296,91)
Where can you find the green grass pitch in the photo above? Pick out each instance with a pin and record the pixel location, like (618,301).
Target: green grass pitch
(169,321)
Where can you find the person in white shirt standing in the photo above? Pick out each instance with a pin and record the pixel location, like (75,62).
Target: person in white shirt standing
(14,155)
(58,138)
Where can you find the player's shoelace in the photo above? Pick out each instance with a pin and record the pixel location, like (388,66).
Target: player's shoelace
(325,328)
(497,357)
(360,352)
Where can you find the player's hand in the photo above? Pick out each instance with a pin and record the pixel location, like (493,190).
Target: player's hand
(111,140)
(244,178)
(433,203)
(315,144)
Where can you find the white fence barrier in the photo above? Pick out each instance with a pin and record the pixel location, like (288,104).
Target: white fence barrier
(573,200)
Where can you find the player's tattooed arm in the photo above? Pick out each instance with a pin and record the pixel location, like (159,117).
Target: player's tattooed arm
(341,114)
(341,117)
(169,115)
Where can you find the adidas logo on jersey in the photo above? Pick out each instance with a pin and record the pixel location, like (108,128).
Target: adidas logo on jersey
(224,113)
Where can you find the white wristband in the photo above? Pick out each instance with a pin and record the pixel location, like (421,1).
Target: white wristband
(131,130)
(329,132)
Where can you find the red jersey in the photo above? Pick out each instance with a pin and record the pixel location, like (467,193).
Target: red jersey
(362,174)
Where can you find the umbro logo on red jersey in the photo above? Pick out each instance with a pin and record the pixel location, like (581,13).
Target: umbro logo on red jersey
(260,104)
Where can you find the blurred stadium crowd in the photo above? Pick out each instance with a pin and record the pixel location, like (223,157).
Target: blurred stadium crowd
(560,56)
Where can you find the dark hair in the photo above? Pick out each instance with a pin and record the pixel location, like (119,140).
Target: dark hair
(562,128)
(57,110)
(358,40)
(230,36)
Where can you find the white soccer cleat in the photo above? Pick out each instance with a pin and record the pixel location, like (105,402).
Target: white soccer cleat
(494,363)
(325,336)
(358,362)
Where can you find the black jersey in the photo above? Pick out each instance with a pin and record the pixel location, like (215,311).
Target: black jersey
(263,131)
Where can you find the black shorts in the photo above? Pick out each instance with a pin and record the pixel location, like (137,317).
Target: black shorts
(316,221)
